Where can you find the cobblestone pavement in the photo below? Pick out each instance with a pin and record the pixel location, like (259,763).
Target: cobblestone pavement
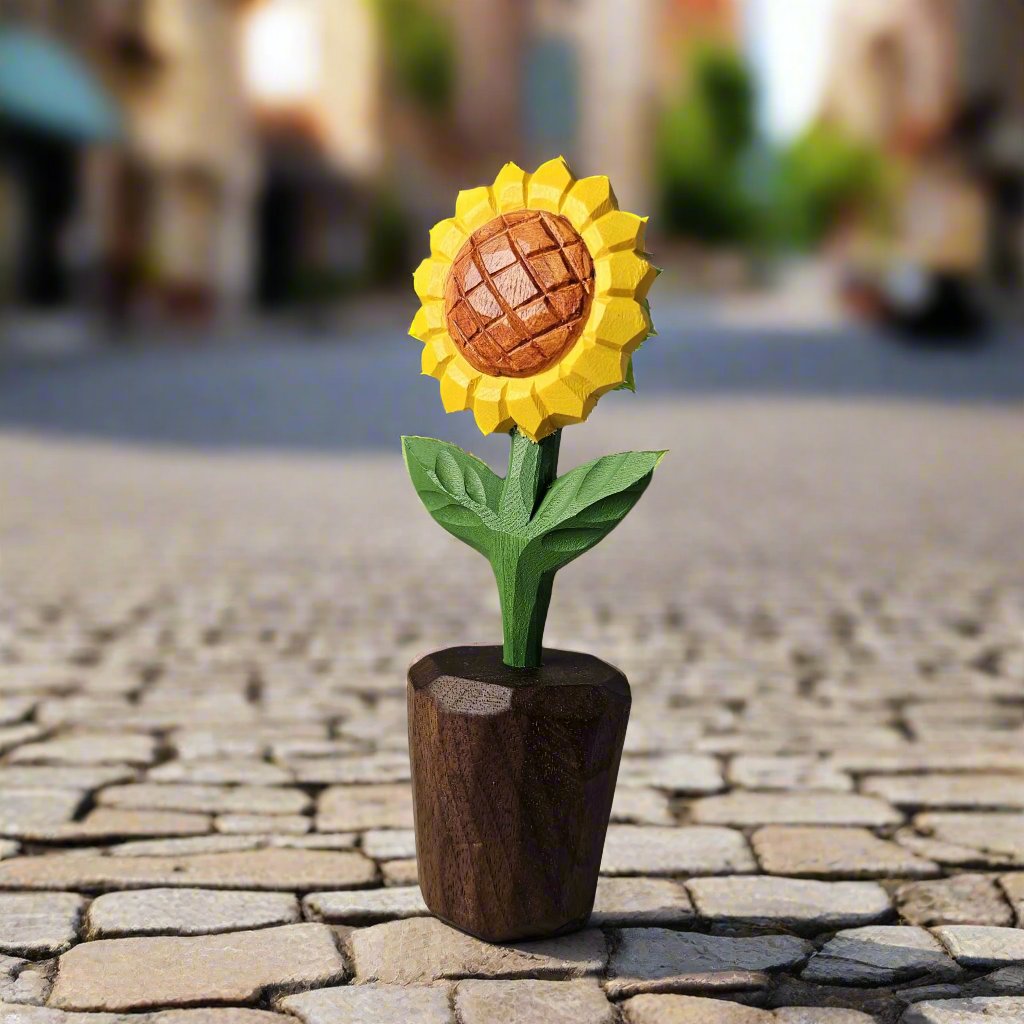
(204,803)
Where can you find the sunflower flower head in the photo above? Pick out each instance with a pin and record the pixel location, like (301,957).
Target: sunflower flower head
(533,299)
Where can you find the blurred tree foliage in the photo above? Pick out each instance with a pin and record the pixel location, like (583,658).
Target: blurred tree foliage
(823,176)
(702,142)
(719,184)
(421,50)
(388,241)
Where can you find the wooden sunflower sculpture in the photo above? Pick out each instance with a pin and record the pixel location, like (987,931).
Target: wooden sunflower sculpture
(534,299)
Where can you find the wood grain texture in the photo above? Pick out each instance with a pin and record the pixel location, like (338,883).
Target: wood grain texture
(513,776)
(519,292)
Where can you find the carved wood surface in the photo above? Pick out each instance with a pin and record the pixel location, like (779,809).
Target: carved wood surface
(513,776)
(519,292)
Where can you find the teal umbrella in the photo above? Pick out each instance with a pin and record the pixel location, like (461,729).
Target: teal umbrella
(44,85)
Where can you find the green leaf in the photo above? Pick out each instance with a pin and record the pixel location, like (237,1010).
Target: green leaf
(584,506)
(459,490)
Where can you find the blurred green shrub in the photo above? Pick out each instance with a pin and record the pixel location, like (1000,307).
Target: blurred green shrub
(702,142)
(388,241)
(421,51)
(822,177)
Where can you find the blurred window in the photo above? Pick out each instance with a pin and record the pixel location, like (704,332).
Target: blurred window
(551,102)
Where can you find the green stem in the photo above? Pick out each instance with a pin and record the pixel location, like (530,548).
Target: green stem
(525,592)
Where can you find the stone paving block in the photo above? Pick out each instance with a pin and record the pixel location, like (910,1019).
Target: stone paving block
(650,850)
(633,902)
(640,805)
(32,924)
(676,1009)
(676,773)
(400,872)
(948,791)
(29,811)
(914,758)
(12,736)
(962,899)
(795,903)
(294,870)
(239,967)
(652,735)
(187,912)
(982,945)
(660,960)
(355,808)
(312,841)
(105,823)
(8,848)
(530,1001)
(372,1004)
(90,749)
(365,906)
(1013,886)
(986,837)
(1005,981)
(185,846)
(823,852)
(787,772)
(423,949)
(948,855)
(262,824)
(35,776)
(248,772)
(206,799)
(198,1015)
(880,955)
(745,808)
(389,844)
(244,743)
(24,982)
(981,1010)
(15,709)
(387,766)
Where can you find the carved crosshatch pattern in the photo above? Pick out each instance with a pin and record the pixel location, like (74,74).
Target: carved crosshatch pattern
(519,292)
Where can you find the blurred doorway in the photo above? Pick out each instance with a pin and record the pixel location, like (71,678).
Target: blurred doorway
(41,174)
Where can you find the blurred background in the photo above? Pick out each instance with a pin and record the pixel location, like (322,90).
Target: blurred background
(186,170)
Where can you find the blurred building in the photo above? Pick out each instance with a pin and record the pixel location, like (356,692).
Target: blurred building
(274,150)
(940,85)
(160,215)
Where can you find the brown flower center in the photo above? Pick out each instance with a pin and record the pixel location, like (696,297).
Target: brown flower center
(519,292)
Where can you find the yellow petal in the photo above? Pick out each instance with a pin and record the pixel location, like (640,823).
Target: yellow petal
(446,239)
(615,231)
(528,414)
(430,278)
(600,368)
(474,207)
(457,385)
(438,352)
(433,316)
(509,188)
(623,273)
(420,328)
(563,404)
(619,324)
(549,184)
(588,199)
(489,409)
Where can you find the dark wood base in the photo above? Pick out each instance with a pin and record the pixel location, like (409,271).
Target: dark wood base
(513,776)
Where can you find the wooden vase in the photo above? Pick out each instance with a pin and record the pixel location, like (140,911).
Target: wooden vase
(513,773)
